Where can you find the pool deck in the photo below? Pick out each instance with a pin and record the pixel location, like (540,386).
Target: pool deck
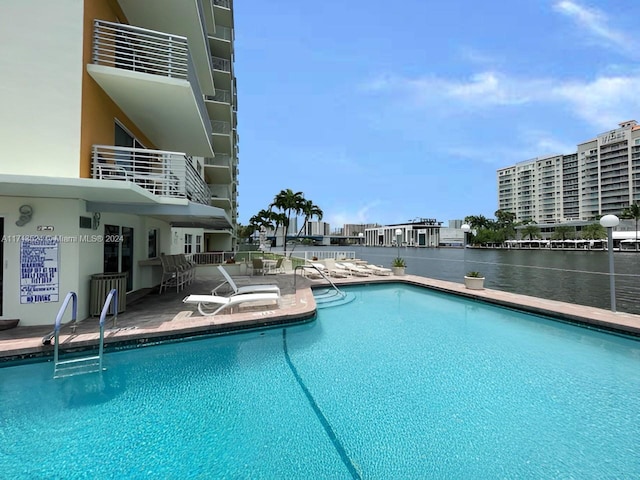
(155,317)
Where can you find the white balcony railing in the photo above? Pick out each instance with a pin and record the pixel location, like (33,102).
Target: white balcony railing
(220,190)
(167,174)
(223,96)
(220,160)
(223,33)
(221,64)
(147,51)
(220,127)
(222,3)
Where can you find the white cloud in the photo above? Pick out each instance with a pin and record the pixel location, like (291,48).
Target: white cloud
(341,216)
(597,23)
(601,102)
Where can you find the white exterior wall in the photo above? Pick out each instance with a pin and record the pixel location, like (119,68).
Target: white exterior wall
(78,260)
(41,58)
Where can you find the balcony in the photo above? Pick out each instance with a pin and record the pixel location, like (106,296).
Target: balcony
(218,169)
(222,72)
(220,195)
(219,105)
(221,41)
(221,137)
(223,11)
(166,174)
(150,76)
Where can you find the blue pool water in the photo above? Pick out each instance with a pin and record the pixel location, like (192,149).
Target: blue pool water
(398,383)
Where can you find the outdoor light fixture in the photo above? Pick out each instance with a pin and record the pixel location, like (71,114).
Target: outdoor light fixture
(360,236)
(610,221)
(466,228)
(398,233)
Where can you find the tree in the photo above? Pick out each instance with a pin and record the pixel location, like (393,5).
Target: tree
(531,230)
(264,218)
(563,232)
(245,231)
(593,231)
(477,221)
(309,210)
(633,212)
(289,203)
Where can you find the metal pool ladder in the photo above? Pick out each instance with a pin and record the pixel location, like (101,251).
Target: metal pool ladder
(78,366)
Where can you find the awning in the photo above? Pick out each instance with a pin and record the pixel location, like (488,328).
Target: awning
(192,215)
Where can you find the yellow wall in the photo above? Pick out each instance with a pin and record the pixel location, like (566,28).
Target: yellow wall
(98,110)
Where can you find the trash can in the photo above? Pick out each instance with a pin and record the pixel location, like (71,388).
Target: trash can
(101,285)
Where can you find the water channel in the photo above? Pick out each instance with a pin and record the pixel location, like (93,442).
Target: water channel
(573,276)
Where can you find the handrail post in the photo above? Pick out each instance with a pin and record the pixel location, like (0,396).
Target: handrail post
(58,324)
(112,297)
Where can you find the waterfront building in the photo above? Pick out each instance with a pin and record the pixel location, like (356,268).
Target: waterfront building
(120,143)
(602,177)
(423,232)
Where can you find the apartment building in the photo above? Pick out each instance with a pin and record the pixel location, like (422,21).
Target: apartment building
(120,143)
(601,177)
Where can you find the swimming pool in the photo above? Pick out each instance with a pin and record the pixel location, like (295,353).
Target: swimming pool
(400,383)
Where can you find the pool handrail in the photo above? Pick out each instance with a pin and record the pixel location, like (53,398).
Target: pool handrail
(302,267)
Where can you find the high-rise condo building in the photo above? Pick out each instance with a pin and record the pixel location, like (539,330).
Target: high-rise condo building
(601,177)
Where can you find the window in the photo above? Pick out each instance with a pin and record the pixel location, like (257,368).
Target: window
(198,243)
(153,243)
(188,243)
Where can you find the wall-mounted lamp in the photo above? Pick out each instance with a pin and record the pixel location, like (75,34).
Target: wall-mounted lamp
(26,212)
(96,220)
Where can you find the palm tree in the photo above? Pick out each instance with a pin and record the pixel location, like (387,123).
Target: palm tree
(264,218)
(532,230)
(633,212)
(290,203)
(477,221)
(563,232)
(593,231)
(309,210)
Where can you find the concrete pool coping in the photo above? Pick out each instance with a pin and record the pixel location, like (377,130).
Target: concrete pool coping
(156,318)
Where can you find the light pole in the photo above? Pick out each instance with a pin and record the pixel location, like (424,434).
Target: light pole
(466,228)
(610,221)
(398,233)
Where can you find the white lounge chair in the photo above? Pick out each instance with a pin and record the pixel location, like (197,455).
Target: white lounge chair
(355,269)
(211,304)
(332,269)
(244,289)
(378,270)
(314,271)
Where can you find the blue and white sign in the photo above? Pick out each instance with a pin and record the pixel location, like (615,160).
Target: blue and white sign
(39,269)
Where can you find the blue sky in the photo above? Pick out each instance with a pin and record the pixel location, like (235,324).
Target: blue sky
(386,111)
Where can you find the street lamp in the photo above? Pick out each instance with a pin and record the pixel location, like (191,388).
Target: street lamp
(398,233)
(360,237)
(466,228)
(610,221)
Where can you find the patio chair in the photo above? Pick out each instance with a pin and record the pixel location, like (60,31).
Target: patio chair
(172,276)
(211,304)
(244,289)
(277,267)
(257,265)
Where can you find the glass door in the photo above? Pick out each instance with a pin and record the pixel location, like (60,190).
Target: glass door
(118,251)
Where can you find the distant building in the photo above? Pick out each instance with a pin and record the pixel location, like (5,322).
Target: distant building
(424,232)
(602,177)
